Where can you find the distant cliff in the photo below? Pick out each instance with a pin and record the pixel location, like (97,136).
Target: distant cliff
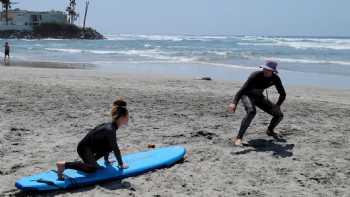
(54,30)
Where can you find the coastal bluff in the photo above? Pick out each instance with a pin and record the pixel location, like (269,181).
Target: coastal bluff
(53,30)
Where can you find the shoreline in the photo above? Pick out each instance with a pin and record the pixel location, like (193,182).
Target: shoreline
(238,76)
(225,73)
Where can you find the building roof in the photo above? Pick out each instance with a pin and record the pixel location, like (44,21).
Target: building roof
(36,12)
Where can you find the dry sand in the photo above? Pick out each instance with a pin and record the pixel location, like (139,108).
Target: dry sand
(45,112)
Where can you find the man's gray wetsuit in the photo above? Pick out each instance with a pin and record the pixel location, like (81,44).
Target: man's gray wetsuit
(251,94)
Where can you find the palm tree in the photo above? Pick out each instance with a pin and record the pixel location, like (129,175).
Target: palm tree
(72,14)
(6,5)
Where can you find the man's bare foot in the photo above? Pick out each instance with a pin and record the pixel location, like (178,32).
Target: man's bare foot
(273,134)
(60,169)
(237,141)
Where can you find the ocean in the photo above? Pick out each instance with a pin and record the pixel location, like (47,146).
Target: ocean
(308,61)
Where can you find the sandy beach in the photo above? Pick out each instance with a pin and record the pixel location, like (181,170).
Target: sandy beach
(45,112)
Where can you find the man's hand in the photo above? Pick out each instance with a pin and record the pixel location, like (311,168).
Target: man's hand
(232,107)
(124,166)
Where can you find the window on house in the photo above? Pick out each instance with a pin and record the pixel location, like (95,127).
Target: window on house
(36,19)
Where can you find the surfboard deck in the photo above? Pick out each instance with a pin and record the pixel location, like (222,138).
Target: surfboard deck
(139,163)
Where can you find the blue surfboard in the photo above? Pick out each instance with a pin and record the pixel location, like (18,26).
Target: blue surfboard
(139,163)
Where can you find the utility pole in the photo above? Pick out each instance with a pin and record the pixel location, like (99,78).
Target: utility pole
(86,10)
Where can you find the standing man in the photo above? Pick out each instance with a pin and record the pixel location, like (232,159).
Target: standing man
(7,53)
(251,95)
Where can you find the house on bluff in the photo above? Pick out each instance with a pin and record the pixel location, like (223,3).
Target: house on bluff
(23,20)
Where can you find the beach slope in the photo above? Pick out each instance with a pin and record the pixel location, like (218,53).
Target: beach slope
(45,112)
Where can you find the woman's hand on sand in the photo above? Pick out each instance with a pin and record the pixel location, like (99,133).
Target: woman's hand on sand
(232,107)
(124,166)
(109,162)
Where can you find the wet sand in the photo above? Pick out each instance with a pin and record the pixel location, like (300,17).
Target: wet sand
(45,112)
(48,64)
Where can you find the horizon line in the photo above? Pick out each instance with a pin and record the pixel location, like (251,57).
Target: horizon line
(238,35)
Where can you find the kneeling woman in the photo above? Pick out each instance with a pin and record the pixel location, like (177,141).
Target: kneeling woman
(98,143)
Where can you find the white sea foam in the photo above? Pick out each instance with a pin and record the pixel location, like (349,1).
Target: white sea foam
(320,45)
(28,40)
(307,61)
(143,37)
(221,53)
(100,52)
(298,43)
(65,50)
(156,54)
(52,39)
(82,51)
(46,39)
(174,38)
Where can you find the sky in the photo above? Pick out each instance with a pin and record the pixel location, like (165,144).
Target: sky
(211,17)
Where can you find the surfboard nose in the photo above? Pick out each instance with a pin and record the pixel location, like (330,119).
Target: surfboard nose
(18,185)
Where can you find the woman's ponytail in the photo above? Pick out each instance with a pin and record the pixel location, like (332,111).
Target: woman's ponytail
(119,109)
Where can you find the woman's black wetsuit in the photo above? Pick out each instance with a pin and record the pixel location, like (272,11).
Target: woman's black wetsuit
(98,143)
